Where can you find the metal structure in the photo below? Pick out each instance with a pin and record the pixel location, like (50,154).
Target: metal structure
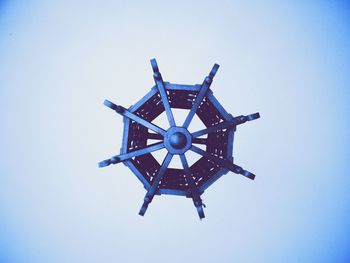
(215,161)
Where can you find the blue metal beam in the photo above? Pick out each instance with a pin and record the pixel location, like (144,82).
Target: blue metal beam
(122,157)
(224,163)
(205,86)
(220,126)
(160,84)
(124,112)
(197,201)
(156,136)
(227,124)
(153,189)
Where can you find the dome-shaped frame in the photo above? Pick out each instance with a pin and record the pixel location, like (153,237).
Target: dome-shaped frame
(216,160)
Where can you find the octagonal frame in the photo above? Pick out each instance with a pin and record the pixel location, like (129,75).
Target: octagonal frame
(216,160)
(217,105)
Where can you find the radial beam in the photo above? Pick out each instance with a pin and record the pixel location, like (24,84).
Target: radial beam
(161,88)
(203,91)
(126,156)
(227,124)
(197,201)
(124,112)
(200,140)
(156,136)
(225,163)
(153,189)
(220,126)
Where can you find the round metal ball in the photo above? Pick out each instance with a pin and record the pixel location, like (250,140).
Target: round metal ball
(178,140)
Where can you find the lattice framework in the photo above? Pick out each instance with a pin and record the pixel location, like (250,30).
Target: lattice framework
(216,160)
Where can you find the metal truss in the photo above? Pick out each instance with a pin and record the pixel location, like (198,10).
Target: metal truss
(215,161)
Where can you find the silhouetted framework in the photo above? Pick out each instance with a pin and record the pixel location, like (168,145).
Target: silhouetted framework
(215,161)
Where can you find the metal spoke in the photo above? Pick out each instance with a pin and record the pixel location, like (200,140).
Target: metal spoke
(154,136)
(126,156)
(199,140)
(225,163)
(203,91)
(153,189)
(160,84)
(227,124)
(220,126)
(193,188)
(124,112)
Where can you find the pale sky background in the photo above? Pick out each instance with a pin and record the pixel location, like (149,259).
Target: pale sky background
(289,60)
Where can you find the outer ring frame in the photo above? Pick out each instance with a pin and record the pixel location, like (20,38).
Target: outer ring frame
(230,138)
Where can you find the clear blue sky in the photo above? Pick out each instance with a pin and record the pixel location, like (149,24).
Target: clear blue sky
(289,60)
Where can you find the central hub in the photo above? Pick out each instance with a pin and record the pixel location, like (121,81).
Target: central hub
(178,140)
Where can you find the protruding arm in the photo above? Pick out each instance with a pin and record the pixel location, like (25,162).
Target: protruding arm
(122,111)
(227,124)
(126,156)
(225,163)
(197,201)
(153,189)
(203,91)
(160,84)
